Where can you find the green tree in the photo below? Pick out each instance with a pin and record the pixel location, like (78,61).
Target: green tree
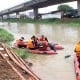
(64,8)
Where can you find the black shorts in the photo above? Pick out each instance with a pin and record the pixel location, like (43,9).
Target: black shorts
(21,46)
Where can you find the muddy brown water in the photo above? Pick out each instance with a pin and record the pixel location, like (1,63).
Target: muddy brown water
(50,67)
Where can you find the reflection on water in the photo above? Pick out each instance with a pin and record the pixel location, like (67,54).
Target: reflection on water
(50,67)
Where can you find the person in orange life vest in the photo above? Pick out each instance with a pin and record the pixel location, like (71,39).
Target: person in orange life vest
(31,44)
(43,45)
(20,43)
(35,41)
(77,50)
(43,38)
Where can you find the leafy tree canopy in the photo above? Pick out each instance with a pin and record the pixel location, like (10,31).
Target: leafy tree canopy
(64,8)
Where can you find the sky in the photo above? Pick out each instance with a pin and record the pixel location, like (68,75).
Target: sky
(54,8)
(5,4)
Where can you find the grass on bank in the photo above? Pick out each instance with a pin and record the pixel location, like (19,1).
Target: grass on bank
(32,20)
(6,38)
(22,53)
(65,21)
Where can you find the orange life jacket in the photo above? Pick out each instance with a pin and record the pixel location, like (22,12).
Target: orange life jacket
(77,49)
(30,44)
(19,42)
(43,45)
(43,39)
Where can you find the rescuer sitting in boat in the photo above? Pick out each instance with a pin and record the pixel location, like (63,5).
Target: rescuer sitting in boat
(43,46)
(35,41)
(77,50)
(32,43)
(40,43)
(43,38)
(43,43)
(20,43)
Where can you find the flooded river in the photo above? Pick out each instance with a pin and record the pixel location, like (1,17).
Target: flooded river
(50,67)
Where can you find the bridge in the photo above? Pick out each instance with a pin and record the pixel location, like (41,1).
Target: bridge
(35,5)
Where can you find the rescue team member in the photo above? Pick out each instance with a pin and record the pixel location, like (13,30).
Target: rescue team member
(31,44)
(43,45)
(77,50)
(35,41)
(43,38)
(20,43)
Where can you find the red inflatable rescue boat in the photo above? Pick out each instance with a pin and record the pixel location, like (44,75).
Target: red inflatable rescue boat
(36,51)
(50,51)
(58,47)
(77,68)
